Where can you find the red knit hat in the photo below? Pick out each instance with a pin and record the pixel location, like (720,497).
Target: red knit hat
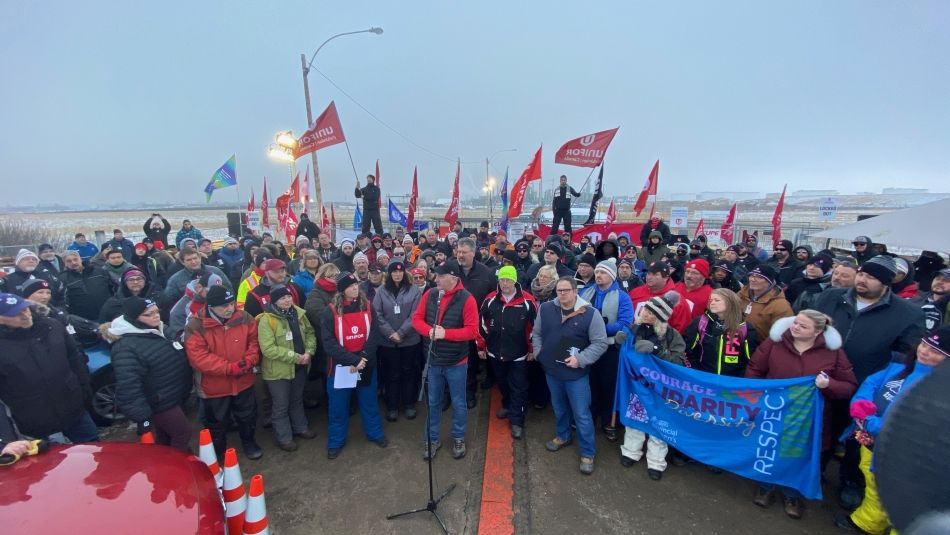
(700,265)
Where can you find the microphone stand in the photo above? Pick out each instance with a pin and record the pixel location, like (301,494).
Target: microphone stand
(433,504)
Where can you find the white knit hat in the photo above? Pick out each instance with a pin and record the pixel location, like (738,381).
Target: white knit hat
(24,253)
(360,256)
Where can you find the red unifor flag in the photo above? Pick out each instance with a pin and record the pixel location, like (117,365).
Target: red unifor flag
(728,228)
(326,131)
(265,219)
(294,189)
(251,205)
(283,210)
(452,215)
(777,218)
(379,201)
(530,174)
(326,219)
(611,215)
(649,188)
(305,190)
(587,151)
(413,200)
(332,216)
(290,227)
(700,229)
(652,209)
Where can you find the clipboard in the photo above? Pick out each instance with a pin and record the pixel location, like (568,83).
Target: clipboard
(565,344)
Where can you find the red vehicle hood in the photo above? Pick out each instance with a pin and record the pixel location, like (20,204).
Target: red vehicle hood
(116,487)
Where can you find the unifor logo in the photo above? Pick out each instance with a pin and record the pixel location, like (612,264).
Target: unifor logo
(587,140)
(354,329)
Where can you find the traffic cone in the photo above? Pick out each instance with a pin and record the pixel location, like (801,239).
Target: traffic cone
(147,438)
(255,520)
(207,456)
(235,500)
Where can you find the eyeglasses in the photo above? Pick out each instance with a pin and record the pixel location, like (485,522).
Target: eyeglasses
(564,290)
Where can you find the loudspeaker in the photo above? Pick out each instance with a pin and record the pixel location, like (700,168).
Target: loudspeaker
(236,227)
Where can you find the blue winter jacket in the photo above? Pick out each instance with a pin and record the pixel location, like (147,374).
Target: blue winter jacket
(595,296)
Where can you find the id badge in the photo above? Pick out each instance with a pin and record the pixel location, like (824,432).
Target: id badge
(70,329)
(748,309)
(396,309)
(289,336)
(177,345)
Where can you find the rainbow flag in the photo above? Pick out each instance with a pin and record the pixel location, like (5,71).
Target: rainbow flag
(225,176)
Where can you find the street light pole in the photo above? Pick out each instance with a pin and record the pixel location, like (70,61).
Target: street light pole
(305,67)
(489,185)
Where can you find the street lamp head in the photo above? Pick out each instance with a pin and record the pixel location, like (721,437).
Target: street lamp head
(278,152)
(286,139)
(377,31)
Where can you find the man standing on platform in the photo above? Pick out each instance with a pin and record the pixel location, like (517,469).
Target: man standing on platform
(370,195)
(561,206)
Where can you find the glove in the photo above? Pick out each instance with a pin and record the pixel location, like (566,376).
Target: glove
(143,427)
(238,368)
(621,337)
(644,346)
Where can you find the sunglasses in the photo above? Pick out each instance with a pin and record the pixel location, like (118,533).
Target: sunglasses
(780,249)
(859,244)
(695,248)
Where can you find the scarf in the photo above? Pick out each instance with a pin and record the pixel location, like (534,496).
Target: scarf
(542,293)
(293,323)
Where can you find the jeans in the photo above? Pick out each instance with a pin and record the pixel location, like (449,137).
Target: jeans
(513,380)
(399,366)
(287,416)
(572,398)
(82,430)
(454,377)
(216,415)
(632,448)
(338,422)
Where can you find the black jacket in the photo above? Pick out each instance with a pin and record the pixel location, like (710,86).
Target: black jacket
(87,292)
(308,228)
(43,377)
(787,272)
(707,352)
(506,327)
(561,201)
(891,324)
(13,283)
(112,309)
(662,228)
(157,234)
(370,195)
(479,281)
(151,374)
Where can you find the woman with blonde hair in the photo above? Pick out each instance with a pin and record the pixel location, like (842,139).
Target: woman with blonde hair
(799,346)
(542,287)
(720,341)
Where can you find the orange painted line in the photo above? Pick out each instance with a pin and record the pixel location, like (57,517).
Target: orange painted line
(497,514)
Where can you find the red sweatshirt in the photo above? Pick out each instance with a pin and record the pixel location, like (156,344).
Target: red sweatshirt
(469,330)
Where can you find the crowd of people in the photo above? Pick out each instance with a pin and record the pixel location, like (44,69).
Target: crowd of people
(260,333)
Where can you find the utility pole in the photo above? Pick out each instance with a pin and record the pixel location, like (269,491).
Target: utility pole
(313,155)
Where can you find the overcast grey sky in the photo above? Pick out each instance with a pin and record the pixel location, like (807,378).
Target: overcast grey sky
(125,101)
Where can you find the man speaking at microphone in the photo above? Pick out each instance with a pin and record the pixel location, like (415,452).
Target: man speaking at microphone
(447,319)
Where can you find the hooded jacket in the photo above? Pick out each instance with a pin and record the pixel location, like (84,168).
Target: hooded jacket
(871,334)
(584,325)
(649,228)
(175,288)
(907,288)
(151,372)
(681,314)
(213,346)
(185,308)
(777,358)
(926,268)
(389,321)
(600,255)
(653,253)
(43,377)
(765,310)
(801,293)
(307,228)
(506,326)
(709,350)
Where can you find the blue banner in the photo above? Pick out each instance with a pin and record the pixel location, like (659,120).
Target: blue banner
(503,224)
(358,218)
(767,430)
(395,216)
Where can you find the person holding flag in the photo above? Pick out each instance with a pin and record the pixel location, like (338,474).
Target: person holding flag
(561,206)
(371,198)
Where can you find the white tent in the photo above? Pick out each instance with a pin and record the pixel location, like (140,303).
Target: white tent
(921,227)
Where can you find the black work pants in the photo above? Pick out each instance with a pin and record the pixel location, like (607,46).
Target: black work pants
(371,217)
(603,384)
(399,367)
(217,413)
(512,378)
(558,216)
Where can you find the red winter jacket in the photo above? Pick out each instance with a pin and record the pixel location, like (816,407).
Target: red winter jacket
(213,347)
(681,317)
(777,358)
(698,297)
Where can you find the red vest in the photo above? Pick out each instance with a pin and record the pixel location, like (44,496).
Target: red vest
(352,329)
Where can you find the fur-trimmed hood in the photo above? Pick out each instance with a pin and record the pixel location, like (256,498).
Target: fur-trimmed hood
(831,337)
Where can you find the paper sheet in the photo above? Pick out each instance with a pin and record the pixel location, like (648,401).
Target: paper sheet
(344,378)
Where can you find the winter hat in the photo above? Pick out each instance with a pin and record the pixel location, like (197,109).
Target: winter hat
(662,306)
(588,259)
(395,265)
(380,256)
(44,247)
(822,261)
(184,243)
(229,240)
(132,273)
(32,286)
(278,291)
(861,239)
(407,239)
(901,265)
(723,265)
(209,279)
(450,267)
(788,245)
(522,247)
(273,264)
(262,256)
(346,241)
(24,253)
(608,266)
(451,235)
(625,262)
(700,265)
(159,244)
(658,267)
(554,248)
(141,247)
(377,239)
(881,267)
(11,305)
(219,295)
(300,239)
(697,243)
(376,267)
(360,256)
(345,280)
(133,307)
(655,234)
(508,273)
(939,340)
(766,272)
